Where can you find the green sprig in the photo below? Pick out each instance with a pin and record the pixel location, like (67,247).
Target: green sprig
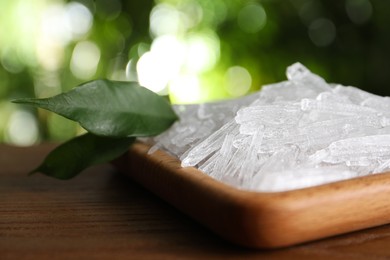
(113,113)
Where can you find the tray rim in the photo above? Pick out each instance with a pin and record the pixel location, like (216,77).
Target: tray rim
(261,219)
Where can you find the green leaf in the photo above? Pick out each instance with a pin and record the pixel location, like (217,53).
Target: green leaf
(72,157)
(111,108)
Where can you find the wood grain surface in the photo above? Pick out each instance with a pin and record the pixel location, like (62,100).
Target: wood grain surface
(103,215)
(261,219)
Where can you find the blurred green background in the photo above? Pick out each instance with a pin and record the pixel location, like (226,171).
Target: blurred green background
(193,50)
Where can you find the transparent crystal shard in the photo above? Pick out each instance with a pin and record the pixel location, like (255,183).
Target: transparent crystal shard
(335,108)
(358,151)
(287,91)
(319,134)
(299,74)
(248,166)
(333,97)
(275,137)
(224,155)
(207,147)
(253,118)
(292,179)
(285,158)
(381,104)
(297,71)
(244,162)
(355,95)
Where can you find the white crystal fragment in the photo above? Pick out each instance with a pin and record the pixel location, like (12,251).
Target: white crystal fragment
(293,134)
(299,178)
(357,151)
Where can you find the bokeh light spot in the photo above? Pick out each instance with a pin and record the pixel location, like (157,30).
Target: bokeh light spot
(359,11)
(202,52)
(55,25)
(151,72)
(79,19)
(238,81)
(252,18)
(322,32)
(165,19)
(162,63)
(192,13)
(185,89)
(22,128)
(108,9)
(310,10)
(60,24)
(85,59)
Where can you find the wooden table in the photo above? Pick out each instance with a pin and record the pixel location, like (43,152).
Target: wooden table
(104,215)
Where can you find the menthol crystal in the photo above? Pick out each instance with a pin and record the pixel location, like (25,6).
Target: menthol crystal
(293,134)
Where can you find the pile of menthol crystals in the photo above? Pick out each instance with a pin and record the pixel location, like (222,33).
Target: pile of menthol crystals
(293,134)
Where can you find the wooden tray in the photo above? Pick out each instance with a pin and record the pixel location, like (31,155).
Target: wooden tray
(256,219)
